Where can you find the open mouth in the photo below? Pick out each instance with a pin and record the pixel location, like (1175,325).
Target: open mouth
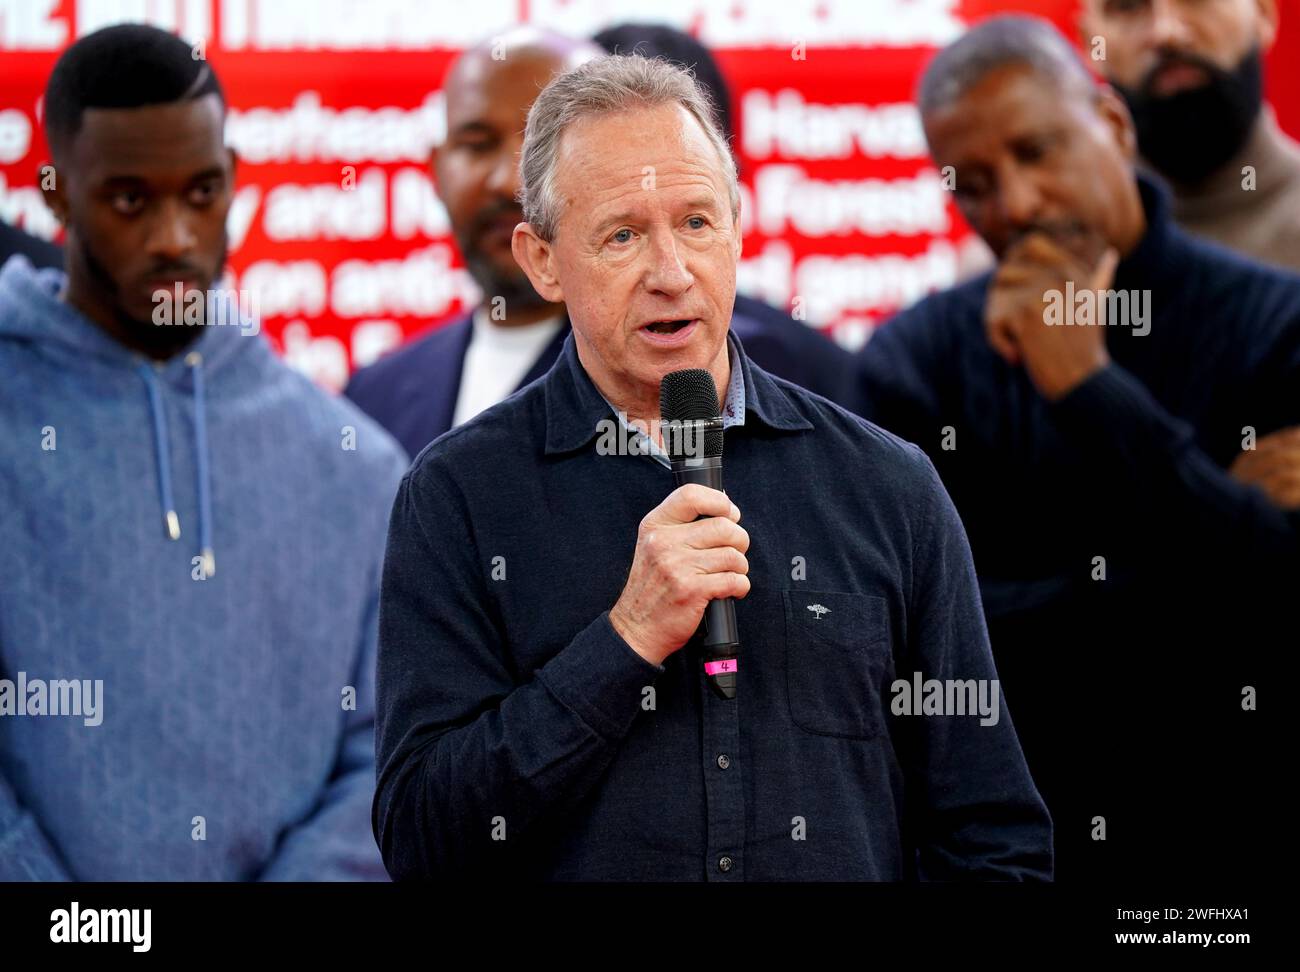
(667,327)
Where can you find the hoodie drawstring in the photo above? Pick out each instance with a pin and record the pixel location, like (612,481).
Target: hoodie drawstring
(163,458)
(195,361)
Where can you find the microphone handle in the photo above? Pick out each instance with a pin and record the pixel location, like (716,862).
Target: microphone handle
(721,637)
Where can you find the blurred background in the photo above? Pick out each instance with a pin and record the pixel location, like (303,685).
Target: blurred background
(334,105)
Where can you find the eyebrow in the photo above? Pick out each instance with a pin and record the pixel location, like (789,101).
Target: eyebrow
(704,201)
(209,173)
(213,172)
(472,127)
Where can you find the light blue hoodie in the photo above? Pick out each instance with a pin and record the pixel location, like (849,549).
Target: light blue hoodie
(224,706)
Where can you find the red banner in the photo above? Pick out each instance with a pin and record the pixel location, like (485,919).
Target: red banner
(334,105)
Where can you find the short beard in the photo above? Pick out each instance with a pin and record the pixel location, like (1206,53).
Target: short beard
(144,334)
(516,289)
(1189,136)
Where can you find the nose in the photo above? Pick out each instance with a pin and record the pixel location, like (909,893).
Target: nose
(503,179)
(170,236)
(1020,201)
(668,275)
(1167,26)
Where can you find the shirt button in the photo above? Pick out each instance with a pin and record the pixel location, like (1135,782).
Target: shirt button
(724,761)
(724,864)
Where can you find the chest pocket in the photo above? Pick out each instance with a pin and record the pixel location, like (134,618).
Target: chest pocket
(838,658)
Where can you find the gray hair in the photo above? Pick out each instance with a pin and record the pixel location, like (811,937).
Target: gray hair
(605,86)
(1017,39)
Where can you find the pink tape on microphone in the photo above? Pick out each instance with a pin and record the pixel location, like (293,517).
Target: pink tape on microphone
(718,667)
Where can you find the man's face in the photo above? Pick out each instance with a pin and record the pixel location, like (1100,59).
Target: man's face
(1191,73)
(645,248)
(145,192)
(1168,46)
(1031,155)
(477,168)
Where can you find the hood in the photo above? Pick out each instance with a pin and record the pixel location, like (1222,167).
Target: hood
(32,313)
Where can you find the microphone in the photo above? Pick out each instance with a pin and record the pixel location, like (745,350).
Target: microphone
(692,433)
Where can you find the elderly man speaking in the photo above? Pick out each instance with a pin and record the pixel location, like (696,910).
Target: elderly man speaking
(543,709)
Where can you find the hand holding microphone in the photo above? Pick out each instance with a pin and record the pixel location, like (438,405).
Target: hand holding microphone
(690,550)
(694,574)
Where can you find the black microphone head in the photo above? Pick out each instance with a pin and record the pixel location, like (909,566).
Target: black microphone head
(688,396)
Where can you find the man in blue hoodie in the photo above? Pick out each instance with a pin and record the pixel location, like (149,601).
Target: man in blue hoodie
(161,719)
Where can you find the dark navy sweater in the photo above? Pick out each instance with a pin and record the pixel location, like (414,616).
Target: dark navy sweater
(1151,658)
(519,735)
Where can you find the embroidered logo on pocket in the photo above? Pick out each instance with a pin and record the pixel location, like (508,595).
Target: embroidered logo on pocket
(838,662)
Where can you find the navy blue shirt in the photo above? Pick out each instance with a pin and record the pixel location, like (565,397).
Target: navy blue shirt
(518,735)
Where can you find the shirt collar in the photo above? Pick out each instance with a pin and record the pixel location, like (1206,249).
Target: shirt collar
(733,410)
(575,407)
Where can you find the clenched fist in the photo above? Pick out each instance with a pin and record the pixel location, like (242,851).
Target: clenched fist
(1057,359)
(681,563)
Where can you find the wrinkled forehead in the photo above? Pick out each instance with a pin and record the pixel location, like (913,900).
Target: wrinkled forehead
(645,156)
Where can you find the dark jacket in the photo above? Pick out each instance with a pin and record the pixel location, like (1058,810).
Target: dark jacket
(520,736)
(1129,581)
(38,252)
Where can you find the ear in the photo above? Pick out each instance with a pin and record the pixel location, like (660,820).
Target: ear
(1115,115)
(1266,29)
(435,157)
(233,156)
(737,241)
(537,258)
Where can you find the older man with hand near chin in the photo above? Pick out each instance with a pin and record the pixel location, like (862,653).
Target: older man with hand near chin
(543,710)
(1130,478)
